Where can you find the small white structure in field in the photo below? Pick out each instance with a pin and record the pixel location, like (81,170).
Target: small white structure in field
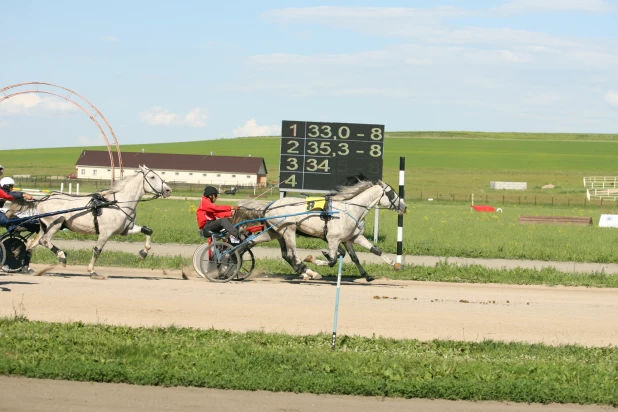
(509,185)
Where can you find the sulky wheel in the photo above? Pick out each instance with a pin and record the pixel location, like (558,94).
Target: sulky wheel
(12,253)
(216,261)
(247,264)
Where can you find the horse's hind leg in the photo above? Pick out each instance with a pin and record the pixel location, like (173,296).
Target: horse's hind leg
(288,251)
(146,231)
(350,247)
(96,252)
(45,239)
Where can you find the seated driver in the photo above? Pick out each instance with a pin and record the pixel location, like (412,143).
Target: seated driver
(7,193)
(213,218)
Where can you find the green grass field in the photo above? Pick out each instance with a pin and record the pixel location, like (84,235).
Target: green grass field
(430,228)
(437,163)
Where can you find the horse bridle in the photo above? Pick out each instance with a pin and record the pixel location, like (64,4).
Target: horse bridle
(390,194)
(157,192)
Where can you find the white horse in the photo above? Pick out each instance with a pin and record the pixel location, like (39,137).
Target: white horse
(349,206)
(107,213)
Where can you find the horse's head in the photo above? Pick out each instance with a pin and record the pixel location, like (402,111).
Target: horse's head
(391,200)
(154,184)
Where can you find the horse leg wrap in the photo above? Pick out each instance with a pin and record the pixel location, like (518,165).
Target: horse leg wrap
(55,250)
(331,261)
(300,268)
(146,230)
(97,251)
(143,254)
(375,251)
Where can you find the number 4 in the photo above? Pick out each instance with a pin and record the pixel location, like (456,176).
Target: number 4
(290,181)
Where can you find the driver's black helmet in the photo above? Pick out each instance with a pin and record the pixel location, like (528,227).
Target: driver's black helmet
(210,190)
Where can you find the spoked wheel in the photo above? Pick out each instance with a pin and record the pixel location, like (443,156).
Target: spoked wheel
(216,261)
(247,264)
(12,253)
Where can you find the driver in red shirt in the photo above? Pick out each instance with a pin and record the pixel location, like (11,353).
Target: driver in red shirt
(214,218)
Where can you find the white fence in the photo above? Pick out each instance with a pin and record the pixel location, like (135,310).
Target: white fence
(601,182)
(601,187)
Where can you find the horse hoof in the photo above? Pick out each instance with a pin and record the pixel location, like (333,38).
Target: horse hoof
(96,276)
(317,276)
(397,266)
(305,276)
(370,278)
(143,254)
(310,259)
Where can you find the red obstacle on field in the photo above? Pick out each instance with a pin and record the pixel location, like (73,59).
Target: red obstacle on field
(483,208)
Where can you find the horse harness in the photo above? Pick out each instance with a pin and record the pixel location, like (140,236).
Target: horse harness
(96,205)
(323,204)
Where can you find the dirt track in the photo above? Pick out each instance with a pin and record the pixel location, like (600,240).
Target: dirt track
(400,309)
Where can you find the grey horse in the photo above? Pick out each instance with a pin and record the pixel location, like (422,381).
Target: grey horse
(111,212)
(341,220)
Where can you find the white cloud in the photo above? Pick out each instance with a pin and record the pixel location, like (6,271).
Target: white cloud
(86,141)
(58,105)
(110,39)
(530,6)
(611,97)
(342,15)
(157,116)
(196,118)
(251,128)
(30,102)
(160,116)
(20,104)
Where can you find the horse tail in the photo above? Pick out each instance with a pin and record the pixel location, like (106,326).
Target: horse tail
(250,209)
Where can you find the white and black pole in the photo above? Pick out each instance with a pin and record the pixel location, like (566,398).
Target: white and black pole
(334,341)
(402,172)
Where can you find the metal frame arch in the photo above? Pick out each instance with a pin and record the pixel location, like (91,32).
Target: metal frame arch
(69,99)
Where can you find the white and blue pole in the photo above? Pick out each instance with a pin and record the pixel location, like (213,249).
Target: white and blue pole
(334,342)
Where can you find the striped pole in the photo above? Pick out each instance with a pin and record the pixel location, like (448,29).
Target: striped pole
(402,173)
(334,341)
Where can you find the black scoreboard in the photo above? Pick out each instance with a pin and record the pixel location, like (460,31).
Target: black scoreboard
(317,156)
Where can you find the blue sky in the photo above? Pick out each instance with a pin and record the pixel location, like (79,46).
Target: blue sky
(199,70)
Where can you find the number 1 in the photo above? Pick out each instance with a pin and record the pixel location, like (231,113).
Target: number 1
(293,127)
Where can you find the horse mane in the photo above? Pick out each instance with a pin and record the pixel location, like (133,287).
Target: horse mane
(118,186)
(354,186)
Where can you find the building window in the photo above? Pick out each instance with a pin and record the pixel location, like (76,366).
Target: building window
(203,174)
(162,173)
(177,173)
(248,177)
(83,171)
(233,175)
(219,175)
(109,170)
(190,174)
(94,172)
